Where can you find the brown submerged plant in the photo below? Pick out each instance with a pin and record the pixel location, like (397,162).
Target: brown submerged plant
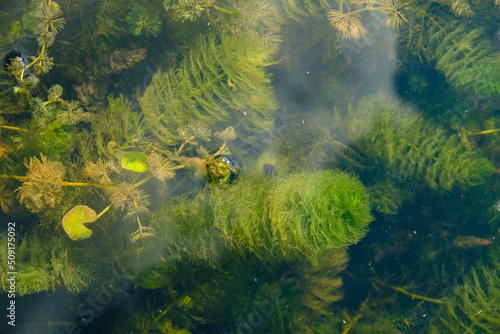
(126,194)
(348,26)
(6,198)
(160,167)
(42,185)
(100,170)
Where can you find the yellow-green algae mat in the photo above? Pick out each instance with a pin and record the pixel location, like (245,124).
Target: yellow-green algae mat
(74,222)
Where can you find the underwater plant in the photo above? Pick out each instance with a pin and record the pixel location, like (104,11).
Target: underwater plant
(222,277)
(45,263)
(301,215)
(191,10)
(407,145)
(6,198)
(302,9)
(459,50)
(475,304)
(141,22)
(66,112)
(384,134)
(216,251)
(49,130)
(263,218)
(322,287)
(46,21)
(42,186)
(347,19)
(223,79)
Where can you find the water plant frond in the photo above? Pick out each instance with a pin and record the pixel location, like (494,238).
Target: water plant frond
(198,88)
(348,25)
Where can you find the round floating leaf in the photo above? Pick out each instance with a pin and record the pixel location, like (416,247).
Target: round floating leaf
(135,161)
(73,222)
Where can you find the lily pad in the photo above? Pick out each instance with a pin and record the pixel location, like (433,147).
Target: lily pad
(135,161)
(73,222)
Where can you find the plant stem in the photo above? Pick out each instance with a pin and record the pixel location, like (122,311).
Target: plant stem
(13,128)
(352,323)
(220,149)
(42,52)
(56,100)
(85,184)
(184,144)
(412,295)
(144,180)
(485,132)
(20,178)
(63,183)
(103,211)
(225,10)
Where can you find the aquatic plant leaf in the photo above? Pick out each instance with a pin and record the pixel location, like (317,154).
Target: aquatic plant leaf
(73,222)
(135,161)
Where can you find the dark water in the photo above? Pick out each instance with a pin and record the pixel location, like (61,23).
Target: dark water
(358,195)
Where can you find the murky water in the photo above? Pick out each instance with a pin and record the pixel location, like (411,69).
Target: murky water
(263,166)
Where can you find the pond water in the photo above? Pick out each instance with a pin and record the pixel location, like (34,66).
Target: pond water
(257,166)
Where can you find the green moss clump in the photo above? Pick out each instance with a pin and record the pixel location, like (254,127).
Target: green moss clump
(319,210)
(300,216)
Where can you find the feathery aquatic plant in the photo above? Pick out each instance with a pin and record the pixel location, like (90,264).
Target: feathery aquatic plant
(459,50)
(301,215)
(46,19)
(407,145)
(267,218)
(45,262)
(220,80)
(476,303)
(143,23)
(42,186)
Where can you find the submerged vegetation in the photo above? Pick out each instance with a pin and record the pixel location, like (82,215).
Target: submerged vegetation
(234,156)
(303,214)
(222,80)
(475,304)
(409,146)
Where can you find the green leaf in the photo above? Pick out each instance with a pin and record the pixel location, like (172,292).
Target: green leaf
(73,222)
(135,161)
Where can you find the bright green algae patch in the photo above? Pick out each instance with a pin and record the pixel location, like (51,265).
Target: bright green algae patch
(300,215)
